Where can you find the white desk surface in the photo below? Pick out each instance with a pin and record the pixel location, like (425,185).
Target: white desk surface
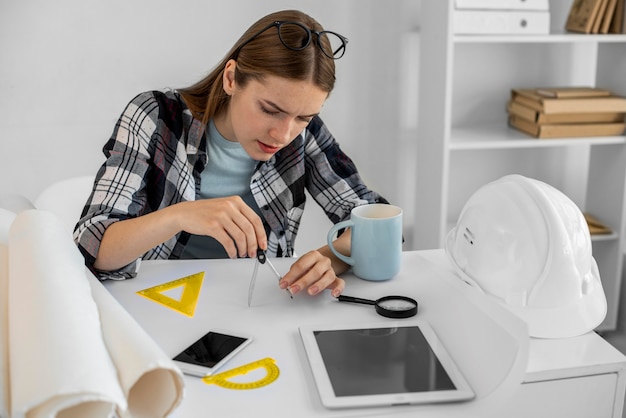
(489,344)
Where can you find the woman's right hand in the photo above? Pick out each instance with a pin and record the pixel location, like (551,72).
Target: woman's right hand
(227,219)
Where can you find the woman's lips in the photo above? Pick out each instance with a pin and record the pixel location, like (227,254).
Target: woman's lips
(268,148)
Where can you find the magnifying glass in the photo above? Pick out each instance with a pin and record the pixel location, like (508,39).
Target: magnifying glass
(388,306)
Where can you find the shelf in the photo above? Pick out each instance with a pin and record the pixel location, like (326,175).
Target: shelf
(450,225)
(500,136)
(560,37)
(464,140)
(604,237)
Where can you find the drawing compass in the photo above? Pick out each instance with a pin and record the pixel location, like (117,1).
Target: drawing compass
(261,258)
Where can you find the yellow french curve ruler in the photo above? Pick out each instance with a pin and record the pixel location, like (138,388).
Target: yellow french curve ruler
(221,379)
(188,300)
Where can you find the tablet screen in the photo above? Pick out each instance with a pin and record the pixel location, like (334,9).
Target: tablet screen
(382,364)
(377,361)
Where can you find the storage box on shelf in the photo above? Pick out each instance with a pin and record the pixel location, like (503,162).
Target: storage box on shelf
(482,17)
(464,138)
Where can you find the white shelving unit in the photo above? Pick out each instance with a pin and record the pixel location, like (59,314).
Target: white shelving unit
(464,141)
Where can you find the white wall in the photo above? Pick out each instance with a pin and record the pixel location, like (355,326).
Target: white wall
(69,67)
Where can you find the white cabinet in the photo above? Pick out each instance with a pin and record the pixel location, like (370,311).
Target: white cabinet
(464,141)
(585,396)
(571,377)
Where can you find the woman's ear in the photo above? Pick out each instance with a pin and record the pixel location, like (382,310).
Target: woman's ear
(228,78)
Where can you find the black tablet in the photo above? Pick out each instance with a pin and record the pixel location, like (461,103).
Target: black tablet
(382,364)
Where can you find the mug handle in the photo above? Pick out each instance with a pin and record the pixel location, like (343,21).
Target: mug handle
(331,233)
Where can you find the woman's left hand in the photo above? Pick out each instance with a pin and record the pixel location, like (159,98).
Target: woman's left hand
(312,272)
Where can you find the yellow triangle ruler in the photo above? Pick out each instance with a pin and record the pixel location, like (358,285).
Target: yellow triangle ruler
(221,379)
(188,300)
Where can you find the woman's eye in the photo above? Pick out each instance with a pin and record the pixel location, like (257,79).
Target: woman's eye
(268,111)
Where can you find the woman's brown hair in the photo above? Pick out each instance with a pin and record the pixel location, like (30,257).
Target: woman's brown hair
(258,56)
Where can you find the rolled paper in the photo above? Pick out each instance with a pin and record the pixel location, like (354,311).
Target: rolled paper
(6,219)
(71,347)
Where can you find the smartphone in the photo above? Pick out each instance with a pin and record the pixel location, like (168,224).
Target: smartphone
(210,352)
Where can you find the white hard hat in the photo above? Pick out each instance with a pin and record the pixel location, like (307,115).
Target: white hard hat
(527,244)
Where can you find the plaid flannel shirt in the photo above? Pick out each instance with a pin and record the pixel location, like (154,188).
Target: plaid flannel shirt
(154,159)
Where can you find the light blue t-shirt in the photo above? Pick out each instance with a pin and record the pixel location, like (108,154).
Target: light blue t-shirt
(227,173)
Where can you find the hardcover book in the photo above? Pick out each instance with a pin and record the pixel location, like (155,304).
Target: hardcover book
(582,15)
(569,130)
(519,110)
(563,92)
(548,105)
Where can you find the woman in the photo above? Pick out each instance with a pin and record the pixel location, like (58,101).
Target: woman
(219,169)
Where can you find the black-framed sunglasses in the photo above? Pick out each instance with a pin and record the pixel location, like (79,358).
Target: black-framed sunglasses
(335,48)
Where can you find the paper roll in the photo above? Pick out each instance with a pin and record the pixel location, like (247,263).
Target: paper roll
(151,382)
(57,357)
(6,219)
(72,348)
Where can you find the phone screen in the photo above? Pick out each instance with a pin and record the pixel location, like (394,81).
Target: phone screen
(210,352)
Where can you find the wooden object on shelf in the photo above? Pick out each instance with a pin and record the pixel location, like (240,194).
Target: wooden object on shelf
(582,15)
(543,113)
(530,98)
(597,22)
(519,110)
(618,18)
(608,16)
(565,92)
(596,16)
(595,226)
(567,130)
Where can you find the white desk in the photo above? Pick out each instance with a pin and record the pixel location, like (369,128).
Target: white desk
(513,377)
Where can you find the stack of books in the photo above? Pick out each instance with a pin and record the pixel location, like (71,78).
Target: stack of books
(595,226)
(567,112)
(596,16)
(501,17)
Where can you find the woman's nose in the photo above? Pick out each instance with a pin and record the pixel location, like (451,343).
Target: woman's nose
(281,131)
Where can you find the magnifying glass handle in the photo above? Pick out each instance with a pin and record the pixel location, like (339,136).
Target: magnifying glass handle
(344,298)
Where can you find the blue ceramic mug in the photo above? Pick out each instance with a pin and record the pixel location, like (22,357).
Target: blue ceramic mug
(376,244)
